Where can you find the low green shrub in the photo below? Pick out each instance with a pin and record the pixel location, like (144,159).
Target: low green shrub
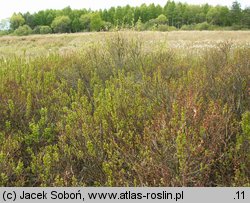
(23,30)
(45,30)
(163,28)
(118,114)
(202,26)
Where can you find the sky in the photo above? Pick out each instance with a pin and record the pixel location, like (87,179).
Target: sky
(8,7)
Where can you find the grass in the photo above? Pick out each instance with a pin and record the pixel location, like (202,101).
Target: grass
(125,109)
(44,44)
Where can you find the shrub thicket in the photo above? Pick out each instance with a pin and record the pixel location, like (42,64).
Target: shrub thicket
(115,114)
(45,30)
(23,30)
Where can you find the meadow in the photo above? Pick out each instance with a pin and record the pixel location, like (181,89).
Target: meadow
(125,109)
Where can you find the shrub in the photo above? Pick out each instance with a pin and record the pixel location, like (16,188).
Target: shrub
(61,24)
(96,22)
(139,26)
(36,30)
(163,28)
(202,26)
(119,113)
(161,19)
(236,27)
(45,30)
(172,28)
(107,26)
(187,27)
(23,30)
(4,32)
(85,22)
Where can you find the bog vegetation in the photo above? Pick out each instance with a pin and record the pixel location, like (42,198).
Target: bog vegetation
(170,17)
(115,113)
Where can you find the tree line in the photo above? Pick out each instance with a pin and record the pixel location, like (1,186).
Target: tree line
(145,17)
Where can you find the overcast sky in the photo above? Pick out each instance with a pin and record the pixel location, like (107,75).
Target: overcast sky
(8,7)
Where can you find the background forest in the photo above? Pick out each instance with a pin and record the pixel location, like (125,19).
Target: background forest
(145,17)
